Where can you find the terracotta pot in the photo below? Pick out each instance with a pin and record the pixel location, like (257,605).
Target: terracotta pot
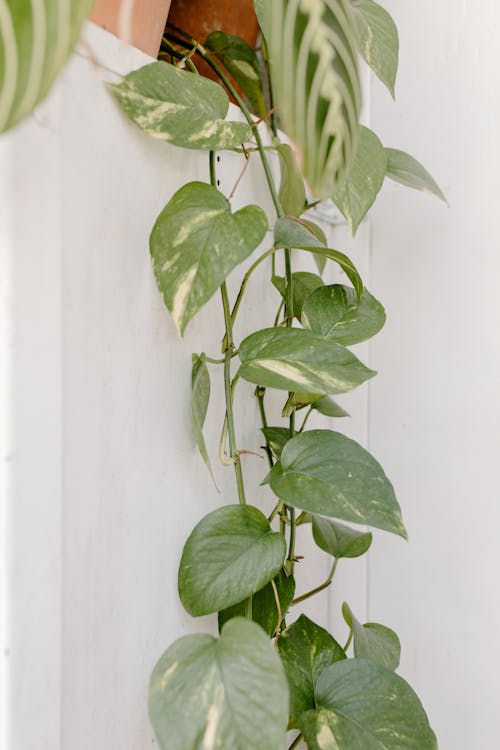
(200,17)
(142,27)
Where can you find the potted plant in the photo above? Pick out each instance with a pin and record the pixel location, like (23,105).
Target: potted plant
(138,22)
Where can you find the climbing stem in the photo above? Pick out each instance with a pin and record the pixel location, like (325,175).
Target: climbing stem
(322,587)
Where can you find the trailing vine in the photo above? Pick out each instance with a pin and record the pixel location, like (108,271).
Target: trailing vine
(268,671)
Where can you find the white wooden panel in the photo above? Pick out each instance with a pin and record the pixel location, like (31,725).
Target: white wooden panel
(435,420)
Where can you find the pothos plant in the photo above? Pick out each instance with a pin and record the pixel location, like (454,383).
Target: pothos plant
(270,672)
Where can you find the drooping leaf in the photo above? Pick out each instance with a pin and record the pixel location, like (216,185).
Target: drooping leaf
(303,283)
(378,40)
(363,706)
(230,554)
(221,693)
(276,438)
(330,408)
(306,650)
(357,193)
(200,396)
(320,260)
(196,242)
(291,233)
(327,473)
(340,540)
(373,641)
(263,12)
(294,359)
(336,313)
(292,193)
(179,107)
(240,60)
(403,168)
(264,609)
(35,40)
(316,84)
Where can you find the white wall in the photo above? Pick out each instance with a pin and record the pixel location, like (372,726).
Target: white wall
(103,481)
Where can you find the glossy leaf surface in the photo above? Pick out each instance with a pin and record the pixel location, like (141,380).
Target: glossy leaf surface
(290,233)
(179,107)
(293,359)
(373,641)
(316,84)
(35,40)
(330,408)
(303,283)
(378,40)
(306,650)
(357,193)
(292,192)
(200,396)
(196,242)
(230,554)
(336,313)
(363,706)
(403,168)
(264,609)
(240,60)
(221,693)
(340,540)
(331,475)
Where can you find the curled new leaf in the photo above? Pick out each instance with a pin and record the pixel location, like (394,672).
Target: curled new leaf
(373,641)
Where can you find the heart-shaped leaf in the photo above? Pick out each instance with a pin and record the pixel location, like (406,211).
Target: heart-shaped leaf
(35,40)
(336,313)
(264,609)
(196,242)
(200,396)
(221,693)
(363,706)
(403,168)
(303,283)
(293,359)
(240,60)
(291,233)
(306,650)
(179,107)
(357,193)
(373,641)
(316,84)
(230,554)
(292,193)
(329,474)
(339,540)
(378,40)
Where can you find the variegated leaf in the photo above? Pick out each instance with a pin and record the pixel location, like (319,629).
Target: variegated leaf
(36,36)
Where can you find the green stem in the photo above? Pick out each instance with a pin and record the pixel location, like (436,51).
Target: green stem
(260,392)
(318,589)
(309,412)
(348,642)
(246,278)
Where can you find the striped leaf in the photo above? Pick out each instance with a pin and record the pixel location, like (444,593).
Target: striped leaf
(36,37)
(316,82)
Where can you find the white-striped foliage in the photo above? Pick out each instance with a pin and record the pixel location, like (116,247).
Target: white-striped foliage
(36,36)
(316,82)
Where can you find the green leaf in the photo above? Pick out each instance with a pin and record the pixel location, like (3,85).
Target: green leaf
(403,168)
(240,60)
(230,554)
(303,283)
(373,641)
(291,233)
(363,706)
(276,438)
(320,260)
(294,359)
(378,40)
(356,195)
(221,693)
(179,107)
(292,192)
(264,609)
(196,242)
(330,408)
(339,540)
(329,474)
(316,84)
(263,12)
(35,40)
(336,313)
(306,650)
(200,396)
